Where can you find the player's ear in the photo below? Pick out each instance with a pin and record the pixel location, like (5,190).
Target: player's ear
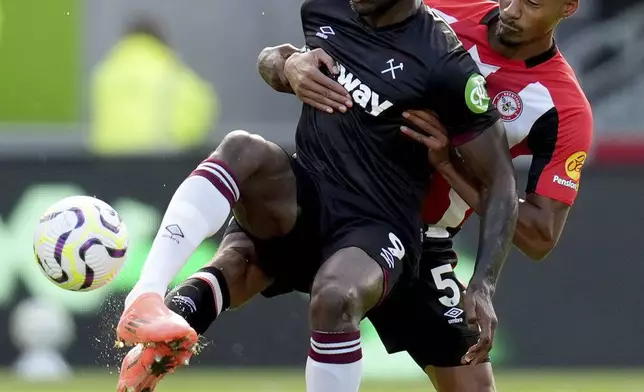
(570,8)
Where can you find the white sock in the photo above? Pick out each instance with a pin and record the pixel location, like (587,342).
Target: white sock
(334,363)
(198,209)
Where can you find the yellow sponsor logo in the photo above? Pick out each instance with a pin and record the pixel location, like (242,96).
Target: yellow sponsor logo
(574,165)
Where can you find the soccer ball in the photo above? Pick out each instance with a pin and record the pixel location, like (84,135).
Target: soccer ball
(80,243)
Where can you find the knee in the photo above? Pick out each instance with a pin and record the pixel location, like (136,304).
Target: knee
(484,378)
(480,387)
(478,384)
(477,378)
(486,384)
(243,152)
(242,142)
(335,307)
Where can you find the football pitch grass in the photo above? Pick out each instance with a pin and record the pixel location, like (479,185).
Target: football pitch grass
(221,380)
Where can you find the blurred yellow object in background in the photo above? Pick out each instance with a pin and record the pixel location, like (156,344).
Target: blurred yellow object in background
(146,101)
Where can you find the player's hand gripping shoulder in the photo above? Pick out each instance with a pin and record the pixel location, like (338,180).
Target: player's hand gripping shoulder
(488,158)
(287,69)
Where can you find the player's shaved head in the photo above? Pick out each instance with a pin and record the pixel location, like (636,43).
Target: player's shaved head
(526,21)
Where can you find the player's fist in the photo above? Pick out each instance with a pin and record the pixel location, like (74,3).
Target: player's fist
(481,317)
(309,83)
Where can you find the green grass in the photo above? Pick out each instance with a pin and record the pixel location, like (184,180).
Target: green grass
(281,381)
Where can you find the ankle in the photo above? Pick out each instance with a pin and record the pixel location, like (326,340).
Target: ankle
(200,299)
(141,289)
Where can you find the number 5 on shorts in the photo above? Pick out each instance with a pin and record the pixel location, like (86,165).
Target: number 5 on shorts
(447,283)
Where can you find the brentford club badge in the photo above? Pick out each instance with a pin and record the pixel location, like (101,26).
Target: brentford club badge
(509,104)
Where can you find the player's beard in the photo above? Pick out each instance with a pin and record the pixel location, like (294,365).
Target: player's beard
(506,39)
(508,42)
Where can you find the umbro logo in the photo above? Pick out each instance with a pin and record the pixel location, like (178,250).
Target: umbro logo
(455,315)
(325,32)
(174,232)
(454,312)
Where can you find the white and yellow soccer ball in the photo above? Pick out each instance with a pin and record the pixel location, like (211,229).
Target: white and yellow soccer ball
(80,243)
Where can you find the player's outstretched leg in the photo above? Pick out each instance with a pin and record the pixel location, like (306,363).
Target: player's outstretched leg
(243,164)
(348,285)
(228,281)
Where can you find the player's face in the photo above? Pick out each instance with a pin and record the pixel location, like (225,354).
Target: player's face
(525,21)
(371,7)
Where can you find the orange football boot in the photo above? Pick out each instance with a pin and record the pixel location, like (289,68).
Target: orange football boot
(148,320)
(145,365)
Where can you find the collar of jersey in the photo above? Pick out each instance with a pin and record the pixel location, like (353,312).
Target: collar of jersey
(393,26)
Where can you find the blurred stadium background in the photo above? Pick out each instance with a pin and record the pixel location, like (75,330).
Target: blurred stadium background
(88,109)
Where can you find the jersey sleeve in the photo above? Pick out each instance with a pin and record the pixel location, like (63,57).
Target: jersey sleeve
(460,98)
(559,149)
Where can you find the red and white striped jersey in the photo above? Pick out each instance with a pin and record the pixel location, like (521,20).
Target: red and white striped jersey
(545,112)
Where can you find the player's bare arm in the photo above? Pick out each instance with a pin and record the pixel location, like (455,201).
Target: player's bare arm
(541,219)
(287,69)
(487,157)
(541,222)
